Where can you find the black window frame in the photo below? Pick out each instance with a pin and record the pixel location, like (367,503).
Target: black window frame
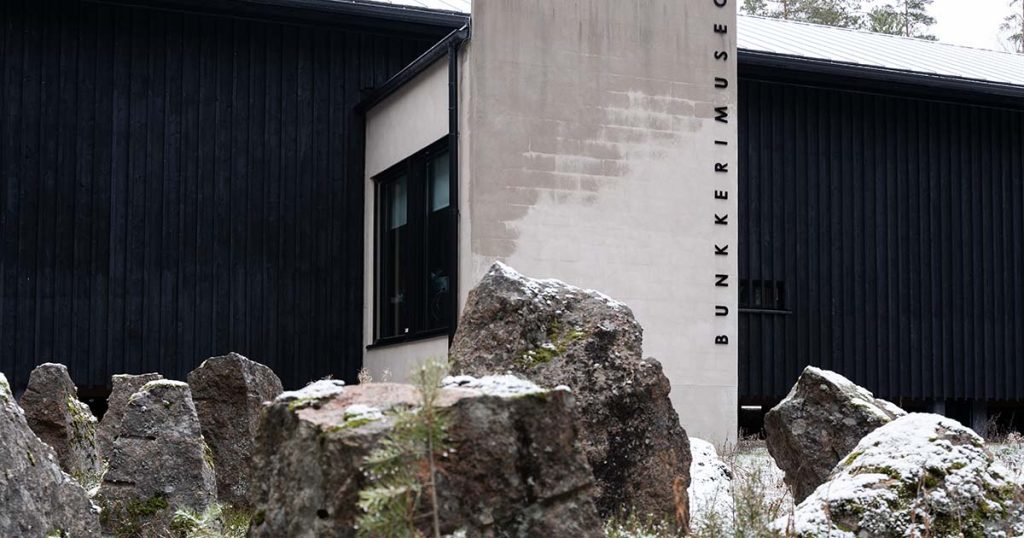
(414,265)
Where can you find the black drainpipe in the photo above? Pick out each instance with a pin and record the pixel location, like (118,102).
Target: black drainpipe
(453,174)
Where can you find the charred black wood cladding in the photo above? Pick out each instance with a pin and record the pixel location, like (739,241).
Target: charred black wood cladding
(177,185)
(895,224)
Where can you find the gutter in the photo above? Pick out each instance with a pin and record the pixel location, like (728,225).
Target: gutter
(460,37)
(432,55)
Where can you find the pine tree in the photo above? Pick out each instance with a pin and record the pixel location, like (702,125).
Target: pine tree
(403,466)
(884,20)
(1014,23)
(756,7)
(787,9)
(908,18)
(841,13)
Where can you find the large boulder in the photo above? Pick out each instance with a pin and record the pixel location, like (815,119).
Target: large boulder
(556,334)
(123,386)
(516,469)
(824,416)
(159,464)
(37,498)
(229,392)
(55,414)
(919,475)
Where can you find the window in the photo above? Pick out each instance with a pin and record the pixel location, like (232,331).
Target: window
(763,296)
(415,247)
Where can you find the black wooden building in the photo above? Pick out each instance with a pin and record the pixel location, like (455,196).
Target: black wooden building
(183,178)
(179,179)
(882,231)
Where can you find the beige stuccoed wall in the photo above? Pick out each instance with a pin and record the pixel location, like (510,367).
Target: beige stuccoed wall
(403,124)
(588,154)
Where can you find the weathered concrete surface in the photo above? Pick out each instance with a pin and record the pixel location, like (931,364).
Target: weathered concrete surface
(556,334)
(229,392)
(919,475)
(55,414)
(516,471)
(159,463)
(36,498)
(123,386)
(824,416)
(596,164)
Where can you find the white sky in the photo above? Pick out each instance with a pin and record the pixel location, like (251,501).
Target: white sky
(972,23)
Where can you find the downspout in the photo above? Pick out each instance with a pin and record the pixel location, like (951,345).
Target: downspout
(453,175)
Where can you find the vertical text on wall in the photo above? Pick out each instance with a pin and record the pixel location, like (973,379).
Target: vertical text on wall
(721,170)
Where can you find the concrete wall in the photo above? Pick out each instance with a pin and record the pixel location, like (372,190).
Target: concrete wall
(589,150)
(406,122)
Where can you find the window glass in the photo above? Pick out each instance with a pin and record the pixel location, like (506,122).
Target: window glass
(415,230)
(438,177)
(438,251)
(393,240)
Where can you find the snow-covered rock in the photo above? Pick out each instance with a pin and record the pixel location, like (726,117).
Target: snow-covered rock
(312,394)
(919,475)
(518,469)
(556,334)
(818,423)
(711,502)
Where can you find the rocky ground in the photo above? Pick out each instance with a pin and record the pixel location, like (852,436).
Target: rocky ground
(563,429)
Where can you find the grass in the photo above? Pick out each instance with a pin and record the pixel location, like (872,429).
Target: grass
(217,521)
(758,497)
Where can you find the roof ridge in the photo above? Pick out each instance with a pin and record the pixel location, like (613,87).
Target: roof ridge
(879,34)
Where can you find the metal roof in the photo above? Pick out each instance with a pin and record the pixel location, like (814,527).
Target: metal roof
(853,47)
(840,46)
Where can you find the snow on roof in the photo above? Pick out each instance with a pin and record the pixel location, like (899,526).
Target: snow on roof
(459,6)
(844,46)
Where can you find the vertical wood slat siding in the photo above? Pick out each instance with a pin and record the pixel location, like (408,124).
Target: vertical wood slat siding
(176,185)
(896,226)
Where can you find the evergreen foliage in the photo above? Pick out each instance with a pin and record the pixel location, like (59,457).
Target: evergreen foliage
(902,17)
(908,18)
(756,7)
(216,521)
(402,468)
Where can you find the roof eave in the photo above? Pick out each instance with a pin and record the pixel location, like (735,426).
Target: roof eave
(365,8)
(816,66)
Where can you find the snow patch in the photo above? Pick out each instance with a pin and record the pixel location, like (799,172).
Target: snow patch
(493,385)
(163,383)
(710,491)
(317,390)
(363,413)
